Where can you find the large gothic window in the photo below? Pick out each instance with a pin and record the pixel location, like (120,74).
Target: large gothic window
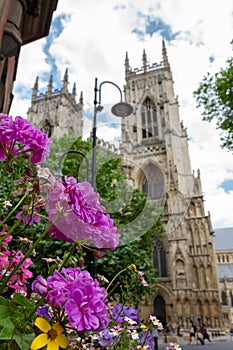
(153,183)
(159,257)
(149,119)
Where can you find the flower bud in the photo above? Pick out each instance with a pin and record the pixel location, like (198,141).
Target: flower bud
(39,285)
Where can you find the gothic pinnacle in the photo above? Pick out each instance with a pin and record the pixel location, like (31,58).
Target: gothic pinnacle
(50,86)
(144,60)
(126,64)
(65,81)
(35,89)
(74,91)
(165,57)
(81,98)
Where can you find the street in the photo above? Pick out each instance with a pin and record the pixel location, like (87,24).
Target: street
(215,345)
(222,345)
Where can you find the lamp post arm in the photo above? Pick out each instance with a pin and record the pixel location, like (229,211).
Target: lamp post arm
(74,151)
(109,82)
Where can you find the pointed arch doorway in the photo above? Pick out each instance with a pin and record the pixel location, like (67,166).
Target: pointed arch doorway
(160,309)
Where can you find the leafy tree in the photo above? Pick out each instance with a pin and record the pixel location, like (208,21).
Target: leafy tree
(215,95)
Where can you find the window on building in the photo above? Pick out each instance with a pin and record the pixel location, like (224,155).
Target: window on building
(149,119)
(153,183)
(224,298)
(159,258)
(219,259)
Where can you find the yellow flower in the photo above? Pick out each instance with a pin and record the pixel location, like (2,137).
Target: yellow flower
(132,267)
(51,336)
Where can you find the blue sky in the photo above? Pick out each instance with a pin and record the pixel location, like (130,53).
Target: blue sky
(91,39)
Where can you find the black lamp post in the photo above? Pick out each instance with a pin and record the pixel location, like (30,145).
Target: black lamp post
(121,109)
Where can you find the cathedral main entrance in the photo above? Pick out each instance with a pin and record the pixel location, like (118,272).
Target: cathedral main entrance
(160,309)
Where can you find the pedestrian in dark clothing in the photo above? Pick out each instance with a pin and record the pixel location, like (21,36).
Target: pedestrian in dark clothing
(205,333)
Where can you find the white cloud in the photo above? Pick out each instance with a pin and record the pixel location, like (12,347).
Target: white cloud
(94,43)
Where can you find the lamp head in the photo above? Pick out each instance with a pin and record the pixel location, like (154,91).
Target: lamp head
(99,108)
(122,109)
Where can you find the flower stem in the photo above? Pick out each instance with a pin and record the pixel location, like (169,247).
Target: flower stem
(10,230)
(43,234)
(14,209)
(115,277)
(67,258)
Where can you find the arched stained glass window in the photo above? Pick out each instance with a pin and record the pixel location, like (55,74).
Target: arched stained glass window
(149,119)
(159,257)
(153,183)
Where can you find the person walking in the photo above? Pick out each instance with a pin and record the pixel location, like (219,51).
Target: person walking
(205,333)
(192,331)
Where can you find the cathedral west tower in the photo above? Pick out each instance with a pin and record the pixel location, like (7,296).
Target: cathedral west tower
(56,112)
(155,148)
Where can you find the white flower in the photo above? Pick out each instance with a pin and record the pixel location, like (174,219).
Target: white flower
(156,322)
(129,320)
(7,204)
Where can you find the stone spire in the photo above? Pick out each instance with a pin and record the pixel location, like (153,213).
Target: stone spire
(126,64)
(81,98)
(74,92)
(65,82)
(35,90)
(165,58)
(50,86)
(144,61)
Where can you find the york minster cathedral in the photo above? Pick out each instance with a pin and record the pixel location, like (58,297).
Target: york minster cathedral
(154,148)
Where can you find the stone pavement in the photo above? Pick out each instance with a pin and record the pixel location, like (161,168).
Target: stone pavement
(181,341)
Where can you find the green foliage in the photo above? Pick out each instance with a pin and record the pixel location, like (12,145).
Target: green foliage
(215,95)
(138,252)
(15,330)
(70,164)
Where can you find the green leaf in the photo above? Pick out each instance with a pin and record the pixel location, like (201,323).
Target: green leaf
(4,311)
(8,329)
(20,299)
(24,341)
(4,301)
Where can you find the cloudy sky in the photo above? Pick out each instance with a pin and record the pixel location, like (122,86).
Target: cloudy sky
(91,38)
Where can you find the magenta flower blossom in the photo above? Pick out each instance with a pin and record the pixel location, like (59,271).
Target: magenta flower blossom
(81,296)
(34,141)
(82,218)
(8,261)
(39,285)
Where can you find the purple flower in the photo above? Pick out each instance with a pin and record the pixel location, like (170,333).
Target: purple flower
(34,141)
(106,337)
(120,312)
(82,297)
(43,311)
(82,217)
(39,285)
(28,219)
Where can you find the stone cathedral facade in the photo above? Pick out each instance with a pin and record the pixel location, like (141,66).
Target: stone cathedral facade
(155,149)
(154,144)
